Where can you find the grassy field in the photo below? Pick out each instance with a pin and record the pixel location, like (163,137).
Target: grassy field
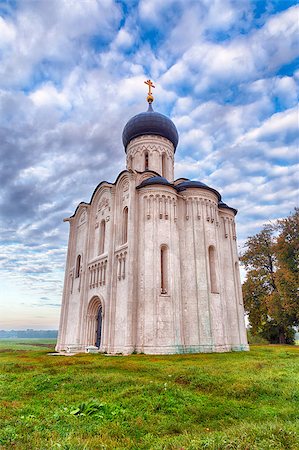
(207,401)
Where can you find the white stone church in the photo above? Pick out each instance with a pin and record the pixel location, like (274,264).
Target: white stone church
(152,262)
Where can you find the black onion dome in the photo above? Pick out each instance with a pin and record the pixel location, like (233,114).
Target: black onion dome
(225,206)
(195,184)
(150,122)
(154,180)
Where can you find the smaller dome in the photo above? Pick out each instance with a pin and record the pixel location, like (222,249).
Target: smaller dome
(150,122)
(154,180)
(195,184)
(223,205)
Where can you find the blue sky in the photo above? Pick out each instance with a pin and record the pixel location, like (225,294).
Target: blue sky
(71,76)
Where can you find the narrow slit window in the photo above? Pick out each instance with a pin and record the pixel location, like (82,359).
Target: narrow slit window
(163,165)
(130,162)
(164,269)
(125,226)
(78,266)
(102,237)
(212,266)
(146,161)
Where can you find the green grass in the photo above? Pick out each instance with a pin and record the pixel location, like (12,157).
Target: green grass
(26,344)
(238,401)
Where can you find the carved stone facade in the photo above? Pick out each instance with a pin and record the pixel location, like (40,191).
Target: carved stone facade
(160,155)
(152,263)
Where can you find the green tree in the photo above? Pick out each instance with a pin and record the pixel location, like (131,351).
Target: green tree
(271,288)
(287,253)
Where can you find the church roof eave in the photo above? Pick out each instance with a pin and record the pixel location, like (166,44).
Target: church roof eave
(81,204)
(157,180)
(223,205)
(190,184)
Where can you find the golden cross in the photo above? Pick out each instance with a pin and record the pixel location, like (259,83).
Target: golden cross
(150,85)
(150,97)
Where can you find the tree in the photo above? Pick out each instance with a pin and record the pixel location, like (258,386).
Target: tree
(287,252)
(271,288)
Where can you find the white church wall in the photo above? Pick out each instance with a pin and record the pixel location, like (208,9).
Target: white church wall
(189,292)
(165,299)
(175,274)
(159,320)
(204,236)
(119,276)
(73,294)
(196,296)
(132,264)
(68,281)
(227,261)
(96,268)
(147,272)
(213,270)
(154,156)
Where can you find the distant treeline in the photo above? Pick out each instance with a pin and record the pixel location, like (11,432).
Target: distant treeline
(13,334)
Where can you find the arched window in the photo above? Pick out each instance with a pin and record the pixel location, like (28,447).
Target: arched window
(146,161)
(125,226)
(78,266)
(164,268)
(102,237)
(212,266)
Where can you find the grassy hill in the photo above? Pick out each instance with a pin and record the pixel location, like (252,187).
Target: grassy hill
(207,401)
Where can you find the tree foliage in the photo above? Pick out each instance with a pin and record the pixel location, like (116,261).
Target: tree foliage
(271,289)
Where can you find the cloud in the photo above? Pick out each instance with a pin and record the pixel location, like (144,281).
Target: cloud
(281,125)
(7,32)
(124,39)
(41,34)
(49,96)
(206,63)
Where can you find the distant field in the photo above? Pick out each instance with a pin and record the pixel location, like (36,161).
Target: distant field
(27,344)
(208,401)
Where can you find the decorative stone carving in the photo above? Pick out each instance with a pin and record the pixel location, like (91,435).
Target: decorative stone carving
(121,265)
(97,273)
(104,203)
(166,206)
(83,217)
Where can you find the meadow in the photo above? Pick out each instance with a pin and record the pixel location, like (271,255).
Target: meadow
(238,401)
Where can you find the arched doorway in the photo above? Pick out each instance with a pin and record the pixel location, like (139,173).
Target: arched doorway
(94,329)
(99,327)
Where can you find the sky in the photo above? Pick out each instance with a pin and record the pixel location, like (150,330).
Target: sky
(72,74)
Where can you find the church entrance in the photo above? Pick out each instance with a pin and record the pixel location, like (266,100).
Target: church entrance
(99,327)
(94,322)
